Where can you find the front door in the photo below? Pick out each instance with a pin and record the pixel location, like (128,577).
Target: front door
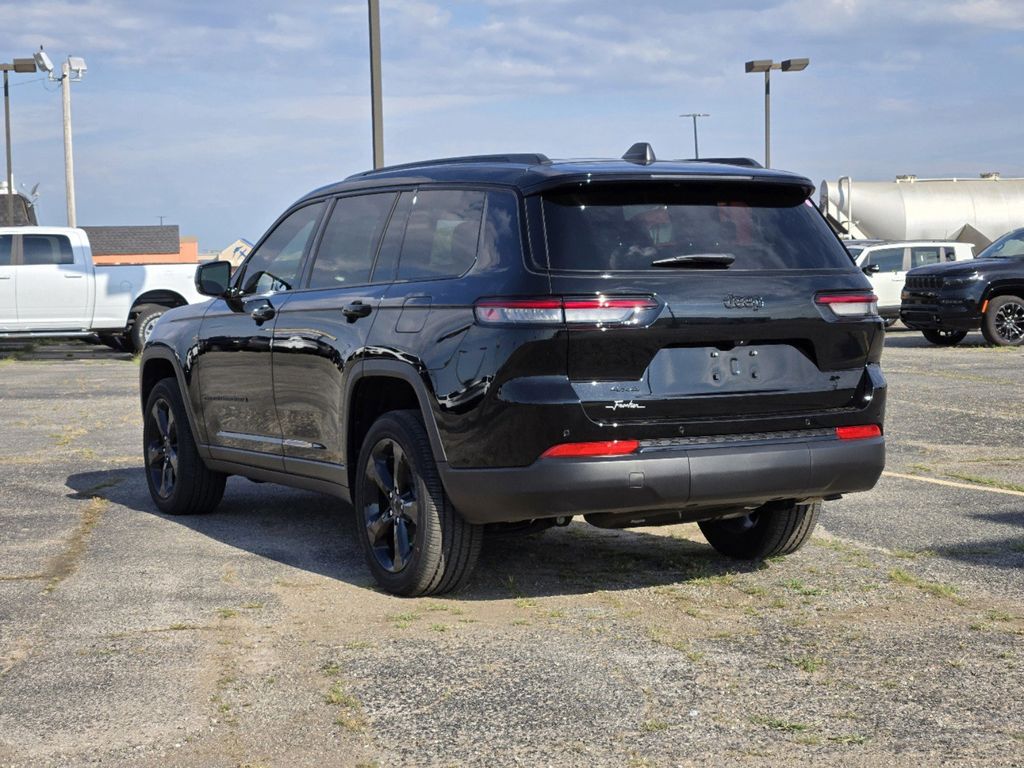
(888,280)
(322,329)
(53,284)
(235,341)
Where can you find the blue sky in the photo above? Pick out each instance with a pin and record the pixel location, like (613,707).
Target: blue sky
(218,115)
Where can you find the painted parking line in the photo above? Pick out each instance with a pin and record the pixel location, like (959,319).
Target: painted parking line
(953,484)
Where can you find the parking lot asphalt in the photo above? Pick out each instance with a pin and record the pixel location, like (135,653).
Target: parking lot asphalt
(254,636)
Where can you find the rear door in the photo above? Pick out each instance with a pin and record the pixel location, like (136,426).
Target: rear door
(8,281)
(322,328)
(726,280)
(53,284)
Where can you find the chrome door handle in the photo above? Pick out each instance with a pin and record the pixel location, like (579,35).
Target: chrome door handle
(72,277)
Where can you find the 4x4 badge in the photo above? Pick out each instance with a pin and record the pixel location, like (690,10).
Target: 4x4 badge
(744,302)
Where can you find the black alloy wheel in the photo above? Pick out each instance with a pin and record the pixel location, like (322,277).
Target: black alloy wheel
(392,510)
(179,481)
(414,540)
(944,338)
(162,449)
(1004,321)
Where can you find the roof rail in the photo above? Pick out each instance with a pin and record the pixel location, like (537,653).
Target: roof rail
(746,162)
(524,158)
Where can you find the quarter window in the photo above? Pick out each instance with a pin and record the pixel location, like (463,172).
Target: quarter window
(442,234)
(274,266)
(350,240)
(46,249)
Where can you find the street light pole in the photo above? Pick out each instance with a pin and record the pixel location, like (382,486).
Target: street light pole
(69,161)
(766,66)
(695,115)
(377,110)
(18,65)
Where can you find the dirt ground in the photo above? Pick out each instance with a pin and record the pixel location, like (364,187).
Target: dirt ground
(255,637)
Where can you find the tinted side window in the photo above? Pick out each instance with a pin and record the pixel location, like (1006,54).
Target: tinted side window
(347,248)
(5,249)
(46,249)
(442,234)
(274,266)
(921,255)
(500,238)
(887,259)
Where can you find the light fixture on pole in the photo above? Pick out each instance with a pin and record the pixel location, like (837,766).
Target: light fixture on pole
(766,66)
(695,115)
(17,65)
(72,69)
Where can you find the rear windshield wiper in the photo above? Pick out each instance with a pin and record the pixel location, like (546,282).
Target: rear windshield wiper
(714,260)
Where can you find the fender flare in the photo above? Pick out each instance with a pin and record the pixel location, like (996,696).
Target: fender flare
(411,376)
(162,352)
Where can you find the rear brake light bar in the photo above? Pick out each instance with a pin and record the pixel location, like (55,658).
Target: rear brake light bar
(602,311)
(860,432)
(849,304)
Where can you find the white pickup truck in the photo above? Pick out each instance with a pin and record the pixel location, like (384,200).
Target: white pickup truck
(49,286)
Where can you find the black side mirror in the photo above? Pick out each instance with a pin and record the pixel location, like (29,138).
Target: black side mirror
(871,269)
(213,278)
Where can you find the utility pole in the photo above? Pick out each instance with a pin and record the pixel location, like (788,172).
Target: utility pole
(376,101)
(695,115)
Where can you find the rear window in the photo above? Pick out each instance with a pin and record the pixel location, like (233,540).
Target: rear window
(626,227)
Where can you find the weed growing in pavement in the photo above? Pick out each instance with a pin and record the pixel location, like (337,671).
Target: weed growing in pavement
(653,725)
(849,738)
(350,711)
(778,724)
(800,588)
(227,613)
(986,481)
(934,588)
(809,663)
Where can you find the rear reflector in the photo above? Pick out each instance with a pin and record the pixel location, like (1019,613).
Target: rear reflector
(600,311)
(600,448)
(858,433)
(849,304)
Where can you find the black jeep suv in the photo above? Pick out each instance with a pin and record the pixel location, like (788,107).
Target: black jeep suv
(945,301)
(511,340)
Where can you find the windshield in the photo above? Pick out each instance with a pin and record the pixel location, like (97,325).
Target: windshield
(1009,246)
(732,225)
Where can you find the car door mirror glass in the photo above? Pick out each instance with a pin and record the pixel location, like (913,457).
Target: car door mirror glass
(871,269)
(213,278)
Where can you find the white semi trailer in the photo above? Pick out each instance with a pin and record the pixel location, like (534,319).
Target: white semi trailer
(966,210)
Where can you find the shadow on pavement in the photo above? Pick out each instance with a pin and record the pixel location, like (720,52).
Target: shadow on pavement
(58,349)
(316,533)
(904,338)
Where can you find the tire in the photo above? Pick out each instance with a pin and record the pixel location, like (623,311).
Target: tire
(944,338)
(115,341)
(145,319)
(1003,324)
(178,480)
(414,541)
(769,531)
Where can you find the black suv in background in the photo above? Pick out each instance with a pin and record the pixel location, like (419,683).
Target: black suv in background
(511,340)
(945,301)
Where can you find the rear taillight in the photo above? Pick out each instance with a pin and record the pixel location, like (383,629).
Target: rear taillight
(849,304)
(600,311)
(860,432)
(599,448)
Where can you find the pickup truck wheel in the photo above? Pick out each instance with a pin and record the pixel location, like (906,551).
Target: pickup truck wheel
(179,481)
(415,542)
(145,319)
(1003,324)
(768,531)
(944,338)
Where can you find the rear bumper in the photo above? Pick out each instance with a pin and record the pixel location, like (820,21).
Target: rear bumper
(692,479)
